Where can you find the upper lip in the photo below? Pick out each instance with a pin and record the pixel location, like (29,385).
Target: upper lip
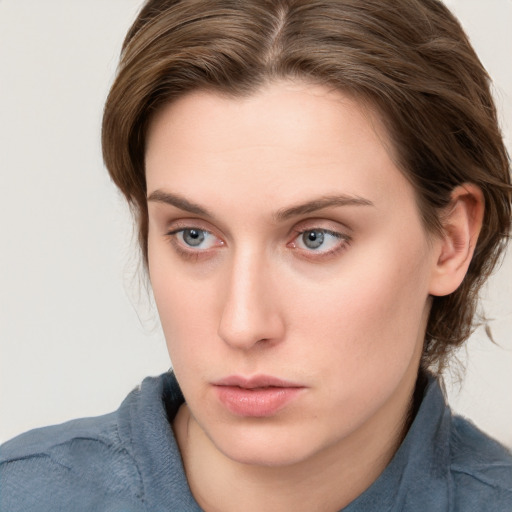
(257,381)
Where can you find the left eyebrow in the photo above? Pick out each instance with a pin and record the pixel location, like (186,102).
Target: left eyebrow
(320,204)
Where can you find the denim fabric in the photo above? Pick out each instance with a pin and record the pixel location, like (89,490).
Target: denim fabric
(128,461)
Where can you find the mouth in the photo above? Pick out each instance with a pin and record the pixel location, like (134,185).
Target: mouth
(259,396)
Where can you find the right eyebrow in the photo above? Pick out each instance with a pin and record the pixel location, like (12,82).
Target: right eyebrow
(159,196)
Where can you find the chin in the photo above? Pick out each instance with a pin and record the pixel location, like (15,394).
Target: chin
(269,447)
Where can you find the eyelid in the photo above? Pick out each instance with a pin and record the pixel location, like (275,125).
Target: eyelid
(328,227)
(189,252)
(178,225)
(322,223)
(336,234)
(174,232)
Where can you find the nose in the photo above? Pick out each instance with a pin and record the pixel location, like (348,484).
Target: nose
(251,313)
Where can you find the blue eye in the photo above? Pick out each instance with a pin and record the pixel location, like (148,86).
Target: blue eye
(319,240)
(194,239)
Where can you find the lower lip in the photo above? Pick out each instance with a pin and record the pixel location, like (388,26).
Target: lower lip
(257,402)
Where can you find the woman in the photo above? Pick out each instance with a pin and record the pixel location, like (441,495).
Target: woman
(321,189)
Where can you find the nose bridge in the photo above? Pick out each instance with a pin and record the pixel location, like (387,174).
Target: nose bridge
(251,308)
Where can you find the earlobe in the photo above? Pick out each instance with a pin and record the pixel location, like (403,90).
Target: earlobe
(462,222)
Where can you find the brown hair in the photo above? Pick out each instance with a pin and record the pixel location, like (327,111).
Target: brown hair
(408,58)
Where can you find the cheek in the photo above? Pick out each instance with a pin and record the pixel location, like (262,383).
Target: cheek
(184,313)
(183,308)
(370,313)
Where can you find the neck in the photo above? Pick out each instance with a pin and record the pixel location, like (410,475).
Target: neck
(328,481)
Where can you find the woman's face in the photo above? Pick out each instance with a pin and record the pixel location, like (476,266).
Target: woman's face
(290,269)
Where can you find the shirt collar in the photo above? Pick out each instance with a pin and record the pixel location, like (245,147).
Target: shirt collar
(415,479)
(145,424)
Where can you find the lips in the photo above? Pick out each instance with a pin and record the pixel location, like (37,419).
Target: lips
(259,396)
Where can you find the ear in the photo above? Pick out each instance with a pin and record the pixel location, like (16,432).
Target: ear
(462,221)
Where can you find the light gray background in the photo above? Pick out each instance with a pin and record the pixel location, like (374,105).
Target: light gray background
(77,332)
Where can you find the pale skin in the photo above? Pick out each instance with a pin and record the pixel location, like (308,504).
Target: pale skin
(307,261)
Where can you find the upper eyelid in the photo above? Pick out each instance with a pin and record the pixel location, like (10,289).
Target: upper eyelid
(173,231)
(180,225)
(322,223)
(326,225)
(333,232)
(311,222)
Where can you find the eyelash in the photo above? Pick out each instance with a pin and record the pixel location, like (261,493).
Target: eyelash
(187,252)
(344,241)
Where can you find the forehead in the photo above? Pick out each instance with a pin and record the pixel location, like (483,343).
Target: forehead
(285,108)
(292,138)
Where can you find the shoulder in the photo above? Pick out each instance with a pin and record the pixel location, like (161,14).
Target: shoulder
(481,469)
(68,467)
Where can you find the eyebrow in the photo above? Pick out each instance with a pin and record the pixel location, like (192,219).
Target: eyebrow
(280,215)
(180,202)
(320,204)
